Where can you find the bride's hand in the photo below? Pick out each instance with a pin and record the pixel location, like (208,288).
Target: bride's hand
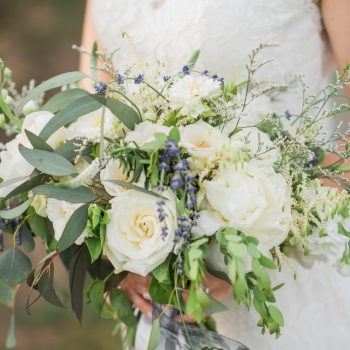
(136,288)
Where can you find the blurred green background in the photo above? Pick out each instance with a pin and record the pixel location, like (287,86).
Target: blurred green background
(36,38)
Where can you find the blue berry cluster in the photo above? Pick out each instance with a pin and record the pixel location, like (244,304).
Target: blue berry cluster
(100,88)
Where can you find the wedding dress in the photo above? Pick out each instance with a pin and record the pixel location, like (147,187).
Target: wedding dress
(316,306)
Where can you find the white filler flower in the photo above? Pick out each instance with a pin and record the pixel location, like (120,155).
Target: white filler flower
(113,171)
(88,126)
(134,239)
(191,93)
(59,212)
(250,200)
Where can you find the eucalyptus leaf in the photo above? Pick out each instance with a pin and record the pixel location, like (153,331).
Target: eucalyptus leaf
(218,274)
(74,228)
(17,211)
(11,341)
(14,266)
(6,293)
(276,315)
(27,238)
(69,149)
(63,99)
(161,272)
(47,162)
(80,194)
(58,81)
(12,181)
(74,110)
(214,307)
(38,224)
(154,339)
(37,142)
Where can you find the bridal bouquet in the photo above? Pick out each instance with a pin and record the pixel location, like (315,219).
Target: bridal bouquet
(175,176)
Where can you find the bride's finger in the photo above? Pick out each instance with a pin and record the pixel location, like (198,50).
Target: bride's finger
(144,306)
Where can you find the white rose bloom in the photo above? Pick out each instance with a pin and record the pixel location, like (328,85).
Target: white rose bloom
(252,201)
(89,126)
(144,133)
(12,163)
(254,136)
(59,212)
(201,140)
(190,93)
(113,171)
(134,239)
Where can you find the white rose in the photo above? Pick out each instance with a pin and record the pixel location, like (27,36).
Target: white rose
(134,240)
(201,140)
(144,133)
(89,126)
(252,201)
(113,171)
(254,136)
(59,212)
(35,122)
(190,93)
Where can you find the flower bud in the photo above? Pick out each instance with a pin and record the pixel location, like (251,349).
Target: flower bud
(10,102)
(1,64)
(7,73)
(30,107)
(4,93)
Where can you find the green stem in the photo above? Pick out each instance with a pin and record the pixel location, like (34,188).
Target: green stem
(15,120)
(128,99)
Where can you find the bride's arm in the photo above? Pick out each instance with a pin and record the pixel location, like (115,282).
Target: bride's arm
(336,15)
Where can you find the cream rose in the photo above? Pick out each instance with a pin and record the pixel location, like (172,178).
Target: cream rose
(113,171)
(144,133)
(252,201)
(134,240)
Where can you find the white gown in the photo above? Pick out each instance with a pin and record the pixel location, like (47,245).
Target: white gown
(316,306)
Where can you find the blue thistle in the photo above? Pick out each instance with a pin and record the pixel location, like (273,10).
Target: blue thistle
(166,77)
(100,88)
(205,72)
(120,79)
(215,76)
(288,115)
(186,70)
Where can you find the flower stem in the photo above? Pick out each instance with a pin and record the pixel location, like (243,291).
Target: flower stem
(14,119)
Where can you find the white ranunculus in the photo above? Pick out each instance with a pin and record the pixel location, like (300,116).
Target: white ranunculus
(134,240)
(113,171)
(252,201)
(190,93)
(201,140)
(35,122)
(89,126)
(254,136)
(59,212)
(144,133)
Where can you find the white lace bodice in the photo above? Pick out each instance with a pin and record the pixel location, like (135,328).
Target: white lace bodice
(317,305)
(224,30)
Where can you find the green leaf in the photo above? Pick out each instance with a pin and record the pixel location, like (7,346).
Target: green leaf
(12,181)
(17,211)
(199,242)
(154,339)
(218,274)
(95,294)
(127,115)
(63,99)
(260,307)
(47,162)
(14,266)
(123,307)
(215,306)
(256,267)
(59,80)
(192,62)
(236,250)
(161,273)
(264,261)
(6,293)
(28,185)
(265,278)
(175,134)
(259,294)
(234,132)
(11,335)
(37,142)
(278,287)
(80,194)
(74,227)
(253,240)
(134,187)
(27,238)
(276,315)
(74,110)
(69,149)
(253,251)
(37,223)
(158,292)
(95,247)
